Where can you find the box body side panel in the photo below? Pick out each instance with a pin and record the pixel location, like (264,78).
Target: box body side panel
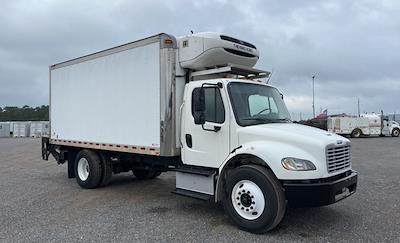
(113,99)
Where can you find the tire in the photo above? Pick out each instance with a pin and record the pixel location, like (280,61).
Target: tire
(356,133)
(107,170)
(395,132)
(88,169)
(146,174)
(254,198)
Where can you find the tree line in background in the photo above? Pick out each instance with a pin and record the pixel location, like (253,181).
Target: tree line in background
(25,113)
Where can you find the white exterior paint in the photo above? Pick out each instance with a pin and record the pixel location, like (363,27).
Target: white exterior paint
(115,98)
(140,94)
(209,148)
(110,99)
(269,142)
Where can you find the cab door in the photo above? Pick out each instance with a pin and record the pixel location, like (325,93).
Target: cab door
(205,144)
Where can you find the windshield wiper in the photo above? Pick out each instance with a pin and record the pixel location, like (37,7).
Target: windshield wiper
(262,119)
(283,119)
(256,119)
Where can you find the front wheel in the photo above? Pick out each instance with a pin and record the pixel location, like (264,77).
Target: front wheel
(395,132)
(254,198)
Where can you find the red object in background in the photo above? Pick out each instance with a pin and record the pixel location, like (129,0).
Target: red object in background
(323,115)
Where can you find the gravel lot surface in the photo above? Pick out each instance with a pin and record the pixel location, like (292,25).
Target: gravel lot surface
(38,203)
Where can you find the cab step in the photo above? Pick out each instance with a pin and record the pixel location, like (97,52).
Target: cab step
(193,194)
(197,170)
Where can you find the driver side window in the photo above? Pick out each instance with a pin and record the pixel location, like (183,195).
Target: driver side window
(214,106)
(259,104)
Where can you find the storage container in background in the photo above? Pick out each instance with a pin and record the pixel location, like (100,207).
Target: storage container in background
(21,129)
(4,129)
(38,129)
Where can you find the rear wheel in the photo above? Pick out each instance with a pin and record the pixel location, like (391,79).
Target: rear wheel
(395,132)
(146,174)
(356,133)
(88,169)
(254,198)
(107,170)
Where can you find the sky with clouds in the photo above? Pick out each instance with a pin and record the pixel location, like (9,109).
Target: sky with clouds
(353,47)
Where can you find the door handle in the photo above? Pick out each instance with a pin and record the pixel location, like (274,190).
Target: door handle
(189,140)
(214,129)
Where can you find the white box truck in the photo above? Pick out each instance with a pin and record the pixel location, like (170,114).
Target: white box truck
(366,125)
(193,105)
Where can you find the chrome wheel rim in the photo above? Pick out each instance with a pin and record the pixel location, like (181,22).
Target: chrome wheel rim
(83,169)
(248,199)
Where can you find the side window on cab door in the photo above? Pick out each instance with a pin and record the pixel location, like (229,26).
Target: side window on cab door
(215,111)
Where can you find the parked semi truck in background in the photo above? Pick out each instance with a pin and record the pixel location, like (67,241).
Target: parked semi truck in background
(194,105)
(369,124)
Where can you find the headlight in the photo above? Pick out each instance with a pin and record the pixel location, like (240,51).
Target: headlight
(297,164)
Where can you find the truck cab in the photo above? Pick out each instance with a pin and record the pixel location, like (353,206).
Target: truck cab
(242,128)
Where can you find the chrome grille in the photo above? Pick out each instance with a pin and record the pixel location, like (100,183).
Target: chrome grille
(338,158)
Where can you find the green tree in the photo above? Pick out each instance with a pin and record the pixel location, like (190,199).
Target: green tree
(25,113)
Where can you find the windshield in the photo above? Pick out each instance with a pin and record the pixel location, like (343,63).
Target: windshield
(257,104)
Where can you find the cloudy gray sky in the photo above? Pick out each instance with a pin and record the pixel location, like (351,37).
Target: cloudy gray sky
(353,47)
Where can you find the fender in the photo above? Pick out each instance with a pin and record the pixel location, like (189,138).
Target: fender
(241,151)
(269,154)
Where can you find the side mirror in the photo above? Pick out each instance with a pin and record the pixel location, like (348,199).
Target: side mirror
(282,96)
(199,106)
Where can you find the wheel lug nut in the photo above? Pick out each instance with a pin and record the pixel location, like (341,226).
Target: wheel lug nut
(242,208)
(251,207)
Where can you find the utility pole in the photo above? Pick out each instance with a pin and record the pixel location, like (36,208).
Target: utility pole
(358,106)
(313,97)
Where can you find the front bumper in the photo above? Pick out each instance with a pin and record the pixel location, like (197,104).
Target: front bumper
(322,191)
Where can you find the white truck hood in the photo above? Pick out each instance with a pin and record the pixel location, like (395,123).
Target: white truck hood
(274,141)
(291,133)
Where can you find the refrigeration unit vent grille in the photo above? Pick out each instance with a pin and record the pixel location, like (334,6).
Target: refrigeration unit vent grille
(234,40)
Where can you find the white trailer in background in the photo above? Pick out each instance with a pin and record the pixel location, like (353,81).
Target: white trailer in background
(21,129)
(193,105)
(39,129)
(367,125)
(4,129)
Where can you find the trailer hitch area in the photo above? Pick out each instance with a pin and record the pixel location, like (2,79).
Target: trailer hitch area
(45,148)
(48,148)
